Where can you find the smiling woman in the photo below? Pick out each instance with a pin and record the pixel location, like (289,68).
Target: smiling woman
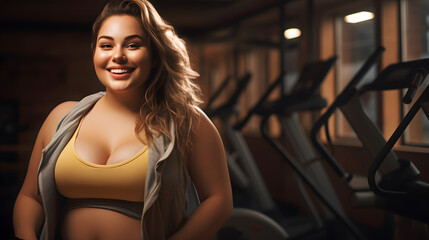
(131,162)
(122,58)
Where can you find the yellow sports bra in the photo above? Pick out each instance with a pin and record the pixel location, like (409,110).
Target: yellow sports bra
(77,178)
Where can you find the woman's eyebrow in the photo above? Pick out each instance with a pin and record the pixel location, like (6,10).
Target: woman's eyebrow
(134,36)
(126,38)
(103,36)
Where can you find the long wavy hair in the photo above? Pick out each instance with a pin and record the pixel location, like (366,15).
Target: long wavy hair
(170,94)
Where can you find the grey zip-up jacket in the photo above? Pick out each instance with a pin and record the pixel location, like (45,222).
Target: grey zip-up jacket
(169,198)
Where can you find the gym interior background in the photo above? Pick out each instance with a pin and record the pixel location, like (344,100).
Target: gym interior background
(45,59)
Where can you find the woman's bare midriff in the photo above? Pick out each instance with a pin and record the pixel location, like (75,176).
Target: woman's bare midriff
(99,224)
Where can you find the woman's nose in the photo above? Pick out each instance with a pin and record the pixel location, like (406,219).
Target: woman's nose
(119,57)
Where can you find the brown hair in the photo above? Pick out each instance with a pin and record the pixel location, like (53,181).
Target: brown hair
(171,95)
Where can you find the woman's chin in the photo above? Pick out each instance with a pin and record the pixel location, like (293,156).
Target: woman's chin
(122,88)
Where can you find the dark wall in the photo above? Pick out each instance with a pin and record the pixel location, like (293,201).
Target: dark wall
(45,59)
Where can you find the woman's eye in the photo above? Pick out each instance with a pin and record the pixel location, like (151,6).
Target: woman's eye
(105,45)
(133,45)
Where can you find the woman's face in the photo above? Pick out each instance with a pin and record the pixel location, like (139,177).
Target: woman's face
(122,56)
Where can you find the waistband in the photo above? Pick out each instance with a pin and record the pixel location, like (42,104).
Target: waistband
(128,208)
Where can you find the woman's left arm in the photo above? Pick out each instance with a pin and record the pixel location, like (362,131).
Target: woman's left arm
(209,173)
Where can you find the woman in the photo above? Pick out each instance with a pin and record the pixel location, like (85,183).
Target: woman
(127,163)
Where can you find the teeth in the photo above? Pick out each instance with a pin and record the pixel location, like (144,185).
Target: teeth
(119,71)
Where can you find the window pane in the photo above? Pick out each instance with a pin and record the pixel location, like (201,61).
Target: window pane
(354,42)
(415,35)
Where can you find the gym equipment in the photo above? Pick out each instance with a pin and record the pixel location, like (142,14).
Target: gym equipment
(402,189)
(225,111)
(307,163)
(309,81)
(399,189)
(342,98)
(217,93)
(303,97)
(249,172)
(245,224)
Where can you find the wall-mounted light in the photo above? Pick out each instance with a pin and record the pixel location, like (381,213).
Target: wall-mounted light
(359,17)
(292,33)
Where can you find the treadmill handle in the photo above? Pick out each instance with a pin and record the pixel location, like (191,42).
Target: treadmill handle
(417,80)
(241,123)
(343,97)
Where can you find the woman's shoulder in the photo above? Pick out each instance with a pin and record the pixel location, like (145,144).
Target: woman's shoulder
(48,128)
(60,111)
(203,126)
(201,118)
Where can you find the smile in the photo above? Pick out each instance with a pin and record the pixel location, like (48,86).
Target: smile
(120,70)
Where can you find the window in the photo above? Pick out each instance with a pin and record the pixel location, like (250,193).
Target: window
(355,40)
(415,45)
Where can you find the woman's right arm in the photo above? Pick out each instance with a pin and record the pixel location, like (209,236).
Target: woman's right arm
(28,214)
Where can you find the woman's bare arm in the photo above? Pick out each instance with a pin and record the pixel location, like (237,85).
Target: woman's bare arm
(209,172)
(28,214)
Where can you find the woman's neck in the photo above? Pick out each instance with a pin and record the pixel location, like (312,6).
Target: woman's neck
(123,102)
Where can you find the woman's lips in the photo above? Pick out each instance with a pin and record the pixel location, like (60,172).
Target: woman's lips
(120,73)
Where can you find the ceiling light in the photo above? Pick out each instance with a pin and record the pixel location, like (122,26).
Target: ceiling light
(359,17)
(292,33)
